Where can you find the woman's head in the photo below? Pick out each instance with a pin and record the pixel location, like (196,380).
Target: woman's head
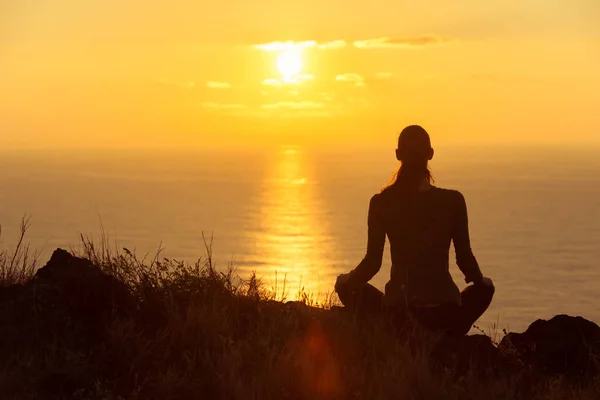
(414,146)
(414,152)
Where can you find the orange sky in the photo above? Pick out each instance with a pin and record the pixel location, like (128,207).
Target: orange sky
(190,73)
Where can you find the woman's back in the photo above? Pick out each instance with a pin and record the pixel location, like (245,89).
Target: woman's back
(420,227)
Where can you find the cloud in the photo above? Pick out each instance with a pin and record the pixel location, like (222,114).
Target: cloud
(218,85)
(272,82)
(224,106)
(294,105)
(354,78)
(307,44)
(400,42)
(291,80)
(384,75)
(376,43)
(298,79)
(334,45)
(306,77)
(290,44)
(328,97)
(307,114)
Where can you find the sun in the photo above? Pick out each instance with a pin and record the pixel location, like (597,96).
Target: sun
(289,63)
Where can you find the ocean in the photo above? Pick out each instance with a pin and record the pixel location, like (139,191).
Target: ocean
(298,215)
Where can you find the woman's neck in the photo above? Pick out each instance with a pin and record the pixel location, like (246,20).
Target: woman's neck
(425,185)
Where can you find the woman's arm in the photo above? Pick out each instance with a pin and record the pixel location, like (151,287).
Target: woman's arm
(371,264)
(462,243)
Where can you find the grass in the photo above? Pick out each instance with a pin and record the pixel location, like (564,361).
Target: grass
(201,333)
(18,264)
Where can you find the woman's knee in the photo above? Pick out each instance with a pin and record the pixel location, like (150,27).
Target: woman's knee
(344,293)
(485,295)
(488,291)
(481,291)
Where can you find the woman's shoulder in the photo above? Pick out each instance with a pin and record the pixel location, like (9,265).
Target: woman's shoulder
(451,194)
(391,193)
(386,193)
(378,200)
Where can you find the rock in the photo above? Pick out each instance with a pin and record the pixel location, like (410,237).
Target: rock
(81,289)
(69,299)
(562,345)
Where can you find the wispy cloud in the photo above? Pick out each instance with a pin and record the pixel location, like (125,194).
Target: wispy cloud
(281,46)
(294,105)
(306,114)
(375,43)
(334,45)
(272,82)
(291,80)
(328,97)
(299,78)
(401,42)
(307,44)
(218,85)
(224,106)
(356,79)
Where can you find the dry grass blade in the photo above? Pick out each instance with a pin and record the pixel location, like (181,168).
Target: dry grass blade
(18,265)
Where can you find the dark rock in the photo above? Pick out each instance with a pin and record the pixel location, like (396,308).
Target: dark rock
(80,288)
(562,345)
(68,300)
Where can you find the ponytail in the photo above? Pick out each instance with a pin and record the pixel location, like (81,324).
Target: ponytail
(410,176)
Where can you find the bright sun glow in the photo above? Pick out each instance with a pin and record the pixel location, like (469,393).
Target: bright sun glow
(289,63)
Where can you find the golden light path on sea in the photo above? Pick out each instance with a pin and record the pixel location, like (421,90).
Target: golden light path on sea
(291,239)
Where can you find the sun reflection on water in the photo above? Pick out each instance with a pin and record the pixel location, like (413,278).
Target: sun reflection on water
(292,241)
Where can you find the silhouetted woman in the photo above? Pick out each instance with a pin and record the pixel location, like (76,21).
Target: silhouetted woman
(420,221)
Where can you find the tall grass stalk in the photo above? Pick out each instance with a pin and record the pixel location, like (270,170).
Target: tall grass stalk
(18,264)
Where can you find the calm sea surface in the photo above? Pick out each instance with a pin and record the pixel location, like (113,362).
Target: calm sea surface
(301,214)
